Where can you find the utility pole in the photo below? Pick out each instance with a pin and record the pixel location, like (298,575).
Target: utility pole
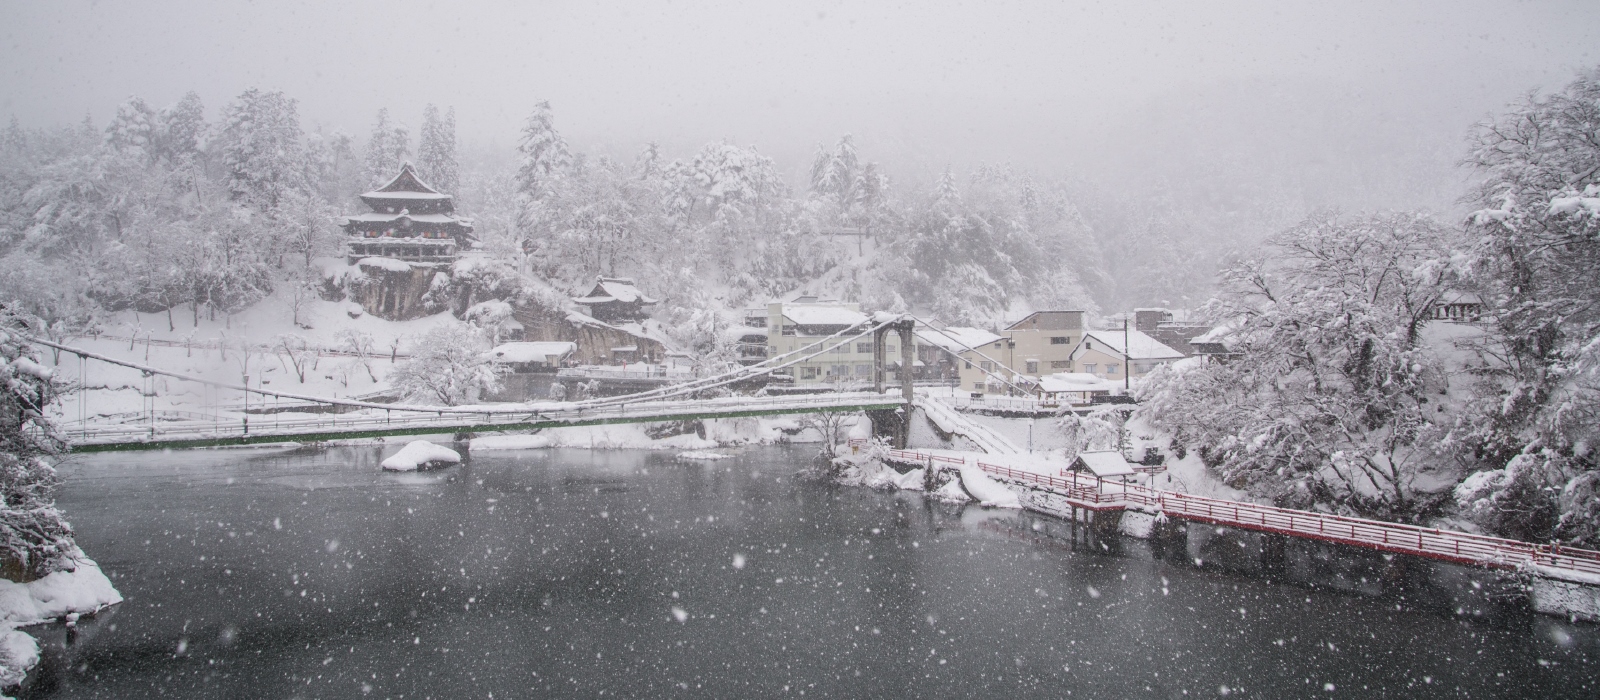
(1127,359)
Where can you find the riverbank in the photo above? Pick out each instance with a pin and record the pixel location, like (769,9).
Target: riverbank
(61,597)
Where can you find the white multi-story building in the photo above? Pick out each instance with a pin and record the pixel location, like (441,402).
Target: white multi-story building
(796,324)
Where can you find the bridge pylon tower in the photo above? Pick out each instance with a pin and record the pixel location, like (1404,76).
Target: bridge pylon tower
(906,328)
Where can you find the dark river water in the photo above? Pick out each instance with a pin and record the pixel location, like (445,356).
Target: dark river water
(278,574)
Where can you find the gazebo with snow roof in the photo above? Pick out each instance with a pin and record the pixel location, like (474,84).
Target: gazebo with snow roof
(409,221)
(616,300)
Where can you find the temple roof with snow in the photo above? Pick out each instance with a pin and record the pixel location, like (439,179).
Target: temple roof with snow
(409,221)
(408,191)
(616,300)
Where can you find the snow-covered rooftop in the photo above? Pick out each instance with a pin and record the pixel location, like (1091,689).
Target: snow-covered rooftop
(1074,381)
(549,352)
(406,185)
(1104,464)
(609,289)
(649,330)
(956,338)
(809,315)
(389,264)
(1144,347)
(380,217)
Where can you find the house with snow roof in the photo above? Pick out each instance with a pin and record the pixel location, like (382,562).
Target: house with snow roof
(1039,344)
(616,300)
(1113,354)
(805,320)
(941,350)
(529,369)
(1169,328)
(1075,388)
(1106,464)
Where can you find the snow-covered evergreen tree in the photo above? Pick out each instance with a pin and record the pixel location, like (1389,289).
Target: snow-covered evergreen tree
(262,148)
(387,149)
(183,129)
(34,537)
(436,150)
(135,129)
(544,158)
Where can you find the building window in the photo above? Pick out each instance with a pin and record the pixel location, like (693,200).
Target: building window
(788,330)
(978,386)
(986,365)
(864,348)
(840,349)
(808,372)
(1111,368)
(1033,366)
(892,350)
(1091,368)
(1061,364)
(969,364)
(1059,340)
(863,370)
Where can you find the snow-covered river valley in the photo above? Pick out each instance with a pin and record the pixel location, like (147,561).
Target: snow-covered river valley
(275,574)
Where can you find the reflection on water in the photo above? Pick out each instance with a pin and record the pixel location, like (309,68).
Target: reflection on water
(564,572)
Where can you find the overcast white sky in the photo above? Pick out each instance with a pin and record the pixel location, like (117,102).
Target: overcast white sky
(1038,84)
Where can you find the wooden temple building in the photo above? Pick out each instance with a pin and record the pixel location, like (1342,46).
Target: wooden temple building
(616,300)
(409,221)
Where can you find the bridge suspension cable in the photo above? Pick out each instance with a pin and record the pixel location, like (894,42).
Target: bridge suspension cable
(740,374)
(979,353)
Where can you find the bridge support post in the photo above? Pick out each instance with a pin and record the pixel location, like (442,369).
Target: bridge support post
(908,361)
(878,360)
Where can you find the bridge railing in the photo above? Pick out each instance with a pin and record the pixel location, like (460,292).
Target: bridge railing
(289,427)
(1096,493)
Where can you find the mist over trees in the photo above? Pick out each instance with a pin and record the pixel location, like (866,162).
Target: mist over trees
(1342,397)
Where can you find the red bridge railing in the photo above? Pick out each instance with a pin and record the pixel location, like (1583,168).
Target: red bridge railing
(1094,493)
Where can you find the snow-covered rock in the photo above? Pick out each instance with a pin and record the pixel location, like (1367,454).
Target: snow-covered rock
(419,453)
(84,590)
(988,491)
(702,454)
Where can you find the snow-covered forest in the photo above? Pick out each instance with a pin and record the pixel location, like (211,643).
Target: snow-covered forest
(178,210)
(1345,392)
(1343,395)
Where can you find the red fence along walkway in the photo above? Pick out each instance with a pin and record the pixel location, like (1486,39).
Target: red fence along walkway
(1085,491)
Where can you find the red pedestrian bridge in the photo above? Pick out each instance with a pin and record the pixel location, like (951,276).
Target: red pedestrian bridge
(1057,494)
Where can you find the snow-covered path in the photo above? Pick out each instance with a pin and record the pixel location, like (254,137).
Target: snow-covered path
(952,421)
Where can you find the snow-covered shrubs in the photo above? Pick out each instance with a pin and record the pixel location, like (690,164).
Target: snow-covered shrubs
(34,538)
(449,365)
(1537,413)
(1334,400)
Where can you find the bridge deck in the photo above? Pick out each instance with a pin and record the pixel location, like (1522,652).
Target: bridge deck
(1092,493)
(199,433)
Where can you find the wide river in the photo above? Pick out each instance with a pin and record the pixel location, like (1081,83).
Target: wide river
(305,574)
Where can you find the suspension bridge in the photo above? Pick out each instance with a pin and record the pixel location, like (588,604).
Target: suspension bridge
(1063,494)
(353,418)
